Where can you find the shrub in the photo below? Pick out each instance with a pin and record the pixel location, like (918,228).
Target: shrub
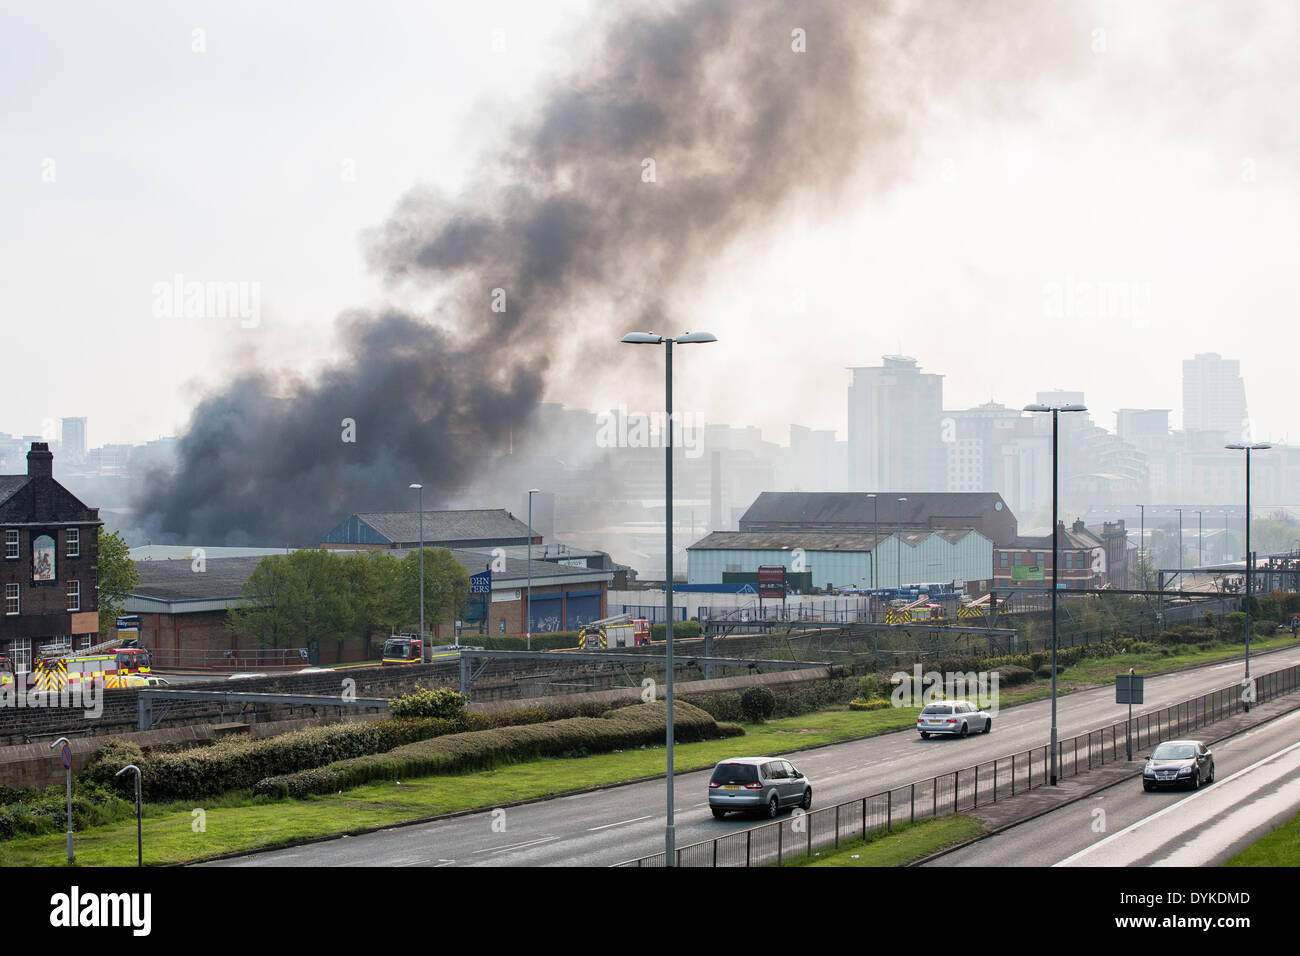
(33,812)
(1046,671)
(682,629)
(1009,675)
(757,704)
(628,727)
(1235,622)
(442,703)
(877,703)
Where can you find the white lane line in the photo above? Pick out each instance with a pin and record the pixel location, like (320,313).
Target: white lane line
(515,846)
(620,823)
(1181,804)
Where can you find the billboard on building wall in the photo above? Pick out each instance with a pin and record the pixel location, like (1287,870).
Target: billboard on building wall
(43,564)
(1027,572)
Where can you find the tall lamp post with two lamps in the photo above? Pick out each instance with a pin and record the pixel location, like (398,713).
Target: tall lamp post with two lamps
(650,338)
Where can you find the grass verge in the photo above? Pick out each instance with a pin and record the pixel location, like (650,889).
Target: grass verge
(1279,848)
(903,844)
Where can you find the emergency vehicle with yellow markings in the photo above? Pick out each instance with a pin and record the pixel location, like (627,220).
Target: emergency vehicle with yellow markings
(622,630)
(111,664)
(6,671)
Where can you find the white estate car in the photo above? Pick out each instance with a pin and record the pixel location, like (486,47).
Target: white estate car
(955,717)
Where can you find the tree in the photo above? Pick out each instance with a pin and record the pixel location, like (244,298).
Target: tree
(117,577)
(291,600)
(374,581)
(446,585)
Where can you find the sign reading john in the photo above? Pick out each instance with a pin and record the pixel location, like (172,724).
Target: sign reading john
(43,559)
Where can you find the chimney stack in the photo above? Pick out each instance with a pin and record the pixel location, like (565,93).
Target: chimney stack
(40,462)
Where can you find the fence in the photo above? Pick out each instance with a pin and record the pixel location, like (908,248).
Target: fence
(654,613)
(843,611)
(251,659)
(969,787)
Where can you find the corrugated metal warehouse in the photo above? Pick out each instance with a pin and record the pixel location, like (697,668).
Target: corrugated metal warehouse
(843,560)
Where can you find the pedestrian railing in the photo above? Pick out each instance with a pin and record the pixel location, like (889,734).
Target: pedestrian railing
(980,785)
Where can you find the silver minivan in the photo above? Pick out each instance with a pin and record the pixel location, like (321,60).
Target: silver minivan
(757,785)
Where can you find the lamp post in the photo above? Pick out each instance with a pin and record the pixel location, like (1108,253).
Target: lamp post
(1142,543)
(139,835)
(1199,538)
(419,490)
(650,338)
(1056,413)
(1247,447)
(1180,548)
(67,765)
(528,599)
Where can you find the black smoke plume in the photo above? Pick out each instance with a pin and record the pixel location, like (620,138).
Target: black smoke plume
(747,108)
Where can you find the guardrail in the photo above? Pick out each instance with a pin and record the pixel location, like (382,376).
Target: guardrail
(248,659)
(970,787)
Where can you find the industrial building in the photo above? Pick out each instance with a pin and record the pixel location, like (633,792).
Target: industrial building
(887,512)
(480,528)
(841,560)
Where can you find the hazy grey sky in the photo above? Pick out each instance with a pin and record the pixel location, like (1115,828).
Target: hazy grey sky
(1147,147)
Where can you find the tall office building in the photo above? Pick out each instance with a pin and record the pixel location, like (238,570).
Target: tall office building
(72,444)
(896,428)
(1214,397)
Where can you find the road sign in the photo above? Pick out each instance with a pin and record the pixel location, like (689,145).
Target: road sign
(481,583)
(771,581)
(66,754)
(1128,689)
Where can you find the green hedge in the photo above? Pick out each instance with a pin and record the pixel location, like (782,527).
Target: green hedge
(550,641)
(790,701)
(238,763)
(440,702)
(636,726)
(682,629)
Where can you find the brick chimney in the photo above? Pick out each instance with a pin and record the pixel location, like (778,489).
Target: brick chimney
(1079,526)
(40,462)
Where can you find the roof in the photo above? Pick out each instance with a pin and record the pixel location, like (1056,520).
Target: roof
(816,540)
(178,581)
(858,508)
(222,579)
(10,484)
(396,527)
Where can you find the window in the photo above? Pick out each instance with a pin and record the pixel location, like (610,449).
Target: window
(1004,559)
(74,542)
(11,599)
(1038,560)
(1069,561)
(74,595)
(11,544)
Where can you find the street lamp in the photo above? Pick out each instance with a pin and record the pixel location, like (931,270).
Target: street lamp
(1142,543)
(528,599)
(1247,447)
(1056,412)
(1180,548)
(419,489)
(650,338)
(899,583)
(1199,538)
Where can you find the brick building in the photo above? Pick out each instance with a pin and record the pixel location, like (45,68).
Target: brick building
(49,568)
(1091,557)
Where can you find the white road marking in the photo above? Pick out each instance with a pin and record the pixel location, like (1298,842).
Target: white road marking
(516,846)
(1183,805)
(619,824)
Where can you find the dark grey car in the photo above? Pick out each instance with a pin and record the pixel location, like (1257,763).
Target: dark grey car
(1179,763)
(757,785)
